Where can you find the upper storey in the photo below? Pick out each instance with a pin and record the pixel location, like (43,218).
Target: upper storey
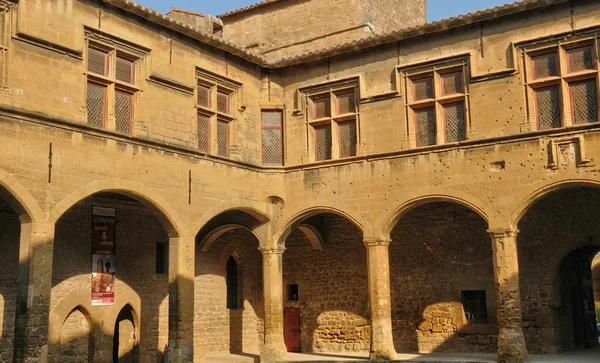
(283,28)
(115,68)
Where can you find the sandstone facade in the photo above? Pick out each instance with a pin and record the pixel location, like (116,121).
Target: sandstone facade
(429,188)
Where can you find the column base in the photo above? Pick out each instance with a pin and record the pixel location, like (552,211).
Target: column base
(383,355)
(511,346)
(272,353)
(180,353)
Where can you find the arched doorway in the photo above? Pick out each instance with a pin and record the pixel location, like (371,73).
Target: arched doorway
(577,291)
(136,267)
(75,336)
(125,337)
(442,280)
(559,235)
(326,288)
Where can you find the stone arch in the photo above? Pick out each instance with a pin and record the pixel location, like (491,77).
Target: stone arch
(76,336)
(304,212)
(126,298)
(165,213)
(19,198)
(386,223)
(535,195)
(207,241)
(76,299)
(253,208)
(126,335)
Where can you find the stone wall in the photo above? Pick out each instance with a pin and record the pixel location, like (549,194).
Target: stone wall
(217,328)
(9,269)
(137,232)
(75,339)
(551,229)
(437,251)
(333,288)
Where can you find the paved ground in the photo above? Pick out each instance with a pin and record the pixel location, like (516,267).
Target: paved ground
(581,356)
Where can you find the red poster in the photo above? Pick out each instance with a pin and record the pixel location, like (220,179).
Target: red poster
(103,256)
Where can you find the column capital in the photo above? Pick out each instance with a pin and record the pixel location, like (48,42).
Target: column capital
(503,232)
(376,241)
(271,250)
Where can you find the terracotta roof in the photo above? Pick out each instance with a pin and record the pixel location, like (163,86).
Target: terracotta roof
(251,7)
(185,29)
(185,12)
(416,31)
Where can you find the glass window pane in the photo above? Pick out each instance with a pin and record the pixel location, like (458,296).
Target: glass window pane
(322,107)
(548,107)
(123,112)
(452,83)
(426,130)
(222,102)
(454,118)
(202,133)
(347,138)
(423,88)
(584,98)
(124,70)
(95,104)
(323,142)
(272,148)
(580,59)
(203,96)
(346,103)
(97,61)
(222,138)
(545,66)
(271,118)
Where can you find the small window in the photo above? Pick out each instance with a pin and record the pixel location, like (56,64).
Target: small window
(475,306)
(321,107)
(584,97)
(347,132)
(203,96)
(323,142)
(454,119)
(232,284)
(223,102)
(96,104)
(162,258)
(124,70)
(452,83)
(426,129)
(580,59)
(423,88)
(545,66)
(97,61)
(123,111)
(202,133)
(272,138)
(345,103)
(548,107)
(292,292)
(222,138)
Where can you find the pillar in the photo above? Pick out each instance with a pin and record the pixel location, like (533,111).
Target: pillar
(274,348)
(511,342)
(33,297)
(181,299)
(378,260)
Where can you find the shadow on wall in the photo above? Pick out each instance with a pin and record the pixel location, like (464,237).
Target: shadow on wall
(442,281)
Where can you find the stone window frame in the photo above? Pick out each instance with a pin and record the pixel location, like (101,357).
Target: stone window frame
(563,80)
(215,86)
(437,72)
(115,50)
(331,91)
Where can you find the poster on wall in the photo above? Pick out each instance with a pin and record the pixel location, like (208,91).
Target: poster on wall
(103,256)
(103,279)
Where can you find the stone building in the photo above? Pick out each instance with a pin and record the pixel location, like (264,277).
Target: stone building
(303,175)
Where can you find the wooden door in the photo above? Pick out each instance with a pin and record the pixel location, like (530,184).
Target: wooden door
(582,299)
(291,329)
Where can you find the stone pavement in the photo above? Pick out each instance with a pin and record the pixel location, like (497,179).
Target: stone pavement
(580,356)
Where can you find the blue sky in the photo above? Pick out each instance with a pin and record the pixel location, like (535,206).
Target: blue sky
(436,9)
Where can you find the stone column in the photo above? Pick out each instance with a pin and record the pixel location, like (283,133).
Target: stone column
(378,260)
(274,348)
(511,342)
(181,299)
(33,297)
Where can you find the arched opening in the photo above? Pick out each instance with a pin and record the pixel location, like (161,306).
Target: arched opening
(442,280)
(325,281)
(10,230)
(229,305)
(232,284)
(113,243)
(75,345)
(125,337)
(559,235)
